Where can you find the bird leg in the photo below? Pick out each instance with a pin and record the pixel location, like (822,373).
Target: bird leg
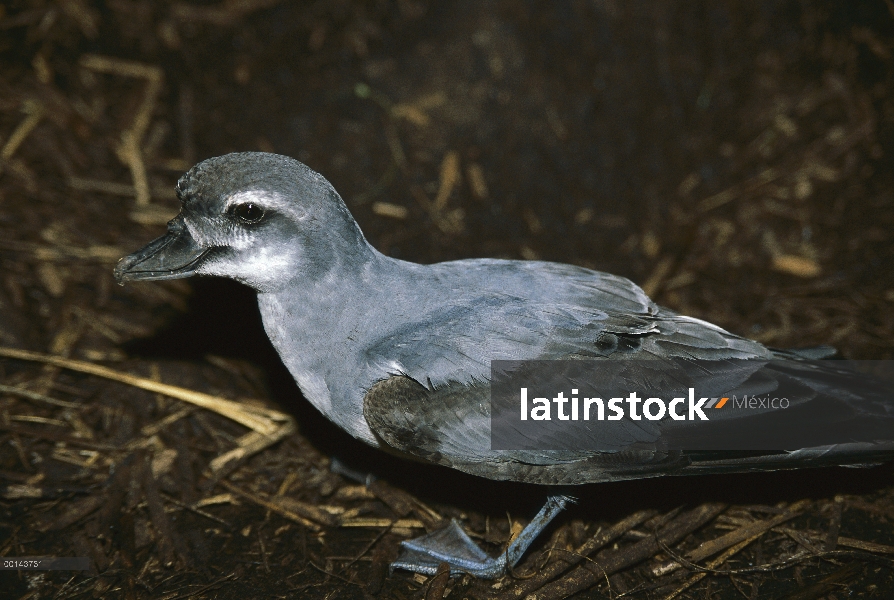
(452,545)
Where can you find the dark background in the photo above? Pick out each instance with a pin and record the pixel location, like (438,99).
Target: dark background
(732,157)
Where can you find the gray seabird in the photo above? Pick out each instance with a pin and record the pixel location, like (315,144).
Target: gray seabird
(399,354)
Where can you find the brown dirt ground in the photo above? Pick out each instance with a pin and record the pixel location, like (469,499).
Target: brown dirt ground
(733,157)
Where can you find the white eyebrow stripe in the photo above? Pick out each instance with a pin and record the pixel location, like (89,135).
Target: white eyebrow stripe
(263,198)
(267,201)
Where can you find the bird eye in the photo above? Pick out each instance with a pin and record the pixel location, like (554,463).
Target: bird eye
(249,212)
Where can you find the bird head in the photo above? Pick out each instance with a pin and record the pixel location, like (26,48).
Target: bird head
(261,219)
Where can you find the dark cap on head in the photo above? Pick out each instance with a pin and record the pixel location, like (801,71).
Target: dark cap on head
(244,170)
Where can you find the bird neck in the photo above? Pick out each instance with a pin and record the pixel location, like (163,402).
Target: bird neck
(336,285)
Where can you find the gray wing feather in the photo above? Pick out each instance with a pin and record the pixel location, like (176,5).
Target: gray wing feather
(450,426)
(432,399)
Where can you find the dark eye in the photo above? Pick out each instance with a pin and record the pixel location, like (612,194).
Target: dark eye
(249,212)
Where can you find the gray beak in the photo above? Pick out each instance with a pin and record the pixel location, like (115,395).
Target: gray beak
(172,256)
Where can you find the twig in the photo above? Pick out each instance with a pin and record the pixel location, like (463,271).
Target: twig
(610,562)
(271,506)
(196,510)
(129,149)
(57,252)
(262,420)
(34,113)
(713,565)
(733,537)
(222,14)
(601,539)
(250,444)
(23,393)
(382,522)
(437,586)
(117,189)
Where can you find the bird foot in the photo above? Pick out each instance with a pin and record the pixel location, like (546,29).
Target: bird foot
(452,545)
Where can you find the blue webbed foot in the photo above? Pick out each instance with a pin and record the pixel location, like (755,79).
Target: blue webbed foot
(452,545)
